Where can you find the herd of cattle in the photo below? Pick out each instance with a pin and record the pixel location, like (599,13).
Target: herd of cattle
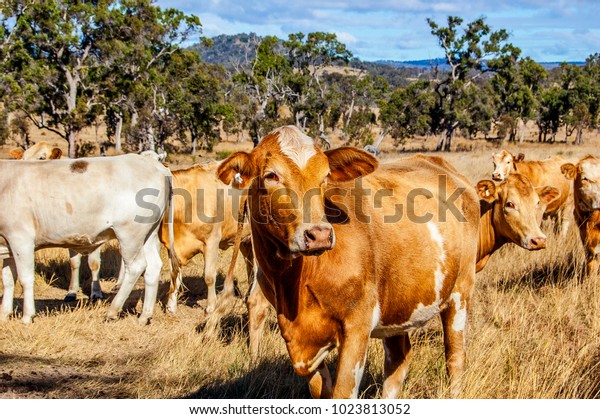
(343,247)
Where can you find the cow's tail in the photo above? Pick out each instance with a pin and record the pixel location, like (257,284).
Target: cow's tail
(175,264)
(229,285)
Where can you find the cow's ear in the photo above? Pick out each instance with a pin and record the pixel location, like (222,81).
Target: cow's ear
(239,168)
(16,153)
(569,170)
(486,189)
(520,157)
(347,163)
(547,194)
(55,154)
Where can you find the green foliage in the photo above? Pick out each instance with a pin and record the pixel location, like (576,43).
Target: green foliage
(408,111)
(470,51)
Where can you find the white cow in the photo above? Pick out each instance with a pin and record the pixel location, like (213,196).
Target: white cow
(46,151)
(81,204)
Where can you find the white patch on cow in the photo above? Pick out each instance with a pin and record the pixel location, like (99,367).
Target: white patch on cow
(391,392)
(358,373)
(376,316)
(422,314)
(439,276)
(296,145)
(313,364)
(460,318)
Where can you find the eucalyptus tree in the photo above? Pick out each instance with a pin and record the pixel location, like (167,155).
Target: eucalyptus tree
(67,62)
(49,57)
(134,79)
(264,80)
(467,51)
(196,94)
(308,56)
(408,111)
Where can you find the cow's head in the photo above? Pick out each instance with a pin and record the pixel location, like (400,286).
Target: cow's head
(504,162)
(287,176)
(42,151)
(586,181)
(518,209)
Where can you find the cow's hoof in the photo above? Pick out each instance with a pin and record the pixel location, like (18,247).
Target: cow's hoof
(111,316)
(70,297)
(27,320)
(97,298)
(209,309)
(144,321)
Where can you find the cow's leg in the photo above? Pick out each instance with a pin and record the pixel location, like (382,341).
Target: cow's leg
(75,262)
(353,355)
(211,258)
(174,293)
(9,273)
(151,277)
(591,267)
(94,264)
(454,323)
(23,254)
(134,265)
(319,382)
(398,352)
(121,276)
(258,309)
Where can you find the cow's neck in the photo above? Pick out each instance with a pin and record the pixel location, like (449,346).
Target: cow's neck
(284,275)
(488,241)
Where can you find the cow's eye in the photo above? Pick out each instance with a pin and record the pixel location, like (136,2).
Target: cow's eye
(510,205)
(584,179)
(271,177)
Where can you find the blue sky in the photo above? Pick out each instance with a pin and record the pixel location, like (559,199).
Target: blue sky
(545,30)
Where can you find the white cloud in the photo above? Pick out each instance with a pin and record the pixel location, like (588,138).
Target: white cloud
(392,29)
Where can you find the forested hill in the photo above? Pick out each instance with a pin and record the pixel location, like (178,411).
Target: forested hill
(231,50)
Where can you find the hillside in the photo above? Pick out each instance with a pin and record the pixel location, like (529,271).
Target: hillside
(231,50)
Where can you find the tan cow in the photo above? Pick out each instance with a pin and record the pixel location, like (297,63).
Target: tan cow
(343,261)
(511,212)
(586,187)
(205,220)
(541,173)
(40,151)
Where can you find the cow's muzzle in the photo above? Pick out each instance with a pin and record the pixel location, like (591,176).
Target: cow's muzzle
(498,177)
(313,240)
(535,243)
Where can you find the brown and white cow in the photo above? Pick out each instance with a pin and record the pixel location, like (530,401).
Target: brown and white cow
(205,220)
(541,173)
(511,212)
(585,176)
(341,261)
(81,204)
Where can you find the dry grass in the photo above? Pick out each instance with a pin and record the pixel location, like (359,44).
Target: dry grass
(533,332)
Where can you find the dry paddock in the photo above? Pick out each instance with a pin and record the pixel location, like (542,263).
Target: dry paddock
(533,332)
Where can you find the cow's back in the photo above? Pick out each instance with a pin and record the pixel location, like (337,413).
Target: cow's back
(547,173)
(77,200)
(417,247)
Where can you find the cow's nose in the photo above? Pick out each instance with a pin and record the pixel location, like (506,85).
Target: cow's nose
(496,176)
(536,243)
(318,238)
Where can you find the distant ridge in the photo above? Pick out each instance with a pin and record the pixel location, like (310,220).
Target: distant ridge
(441,63)
(229,50)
